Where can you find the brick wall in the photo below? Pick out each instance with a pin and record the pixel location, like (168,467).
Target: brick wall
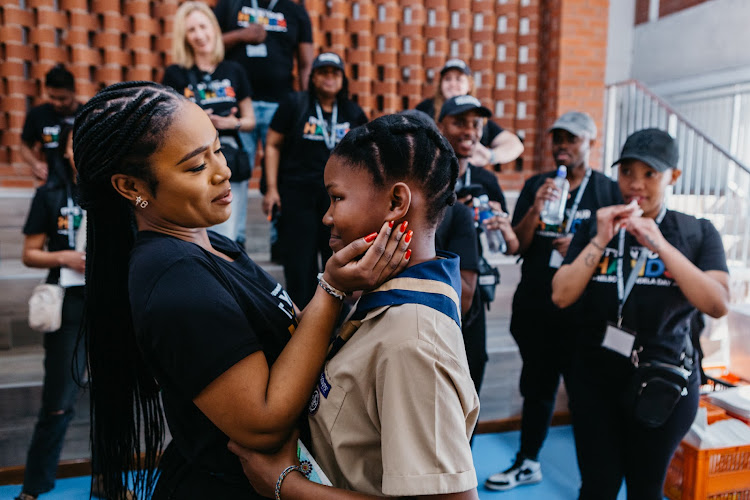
(533,59)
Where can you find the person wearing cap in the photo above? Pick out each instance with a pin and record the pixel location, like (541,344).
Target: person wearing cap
(460,121)
(680,271)
(540,329)
(496,146)
(304,131)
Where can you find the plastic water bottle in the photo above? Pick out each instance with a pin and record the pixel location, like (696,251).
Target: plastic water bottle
(553,212)
(483,211)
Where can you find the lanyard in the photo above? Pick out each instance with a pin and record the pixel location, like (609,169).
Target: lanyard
(577,201)
(624,289)
(270,7)
(71,223)
(330,139)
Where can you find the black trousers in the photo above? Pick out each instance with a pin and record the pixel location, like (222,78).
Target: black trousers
(610,445)
(546,353)
(303,239)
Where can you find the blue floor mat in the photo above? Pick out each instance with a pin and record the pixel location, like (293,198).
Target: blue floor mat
(492,453)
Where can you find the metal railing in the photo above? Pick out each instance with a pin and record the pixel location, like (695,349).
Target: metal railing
(714,184)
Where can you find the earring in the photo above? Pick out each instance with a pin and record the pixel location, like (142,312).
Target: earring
(139,201)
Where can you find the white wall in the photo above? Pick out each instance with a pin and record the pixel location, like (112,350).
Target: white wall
(620,41)
(709,38)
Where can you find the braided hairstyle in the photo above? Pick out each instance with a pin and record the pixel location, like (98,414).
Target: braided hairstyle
(116,132)
(403,147)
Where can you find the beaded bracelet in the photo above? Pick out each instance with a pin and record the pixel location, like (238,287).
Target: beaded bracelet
(282,476)
(597,245)
(328,288)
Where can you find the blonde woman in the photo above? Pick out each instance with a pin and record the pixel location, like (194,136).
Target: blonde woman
(219,87)
(496,145)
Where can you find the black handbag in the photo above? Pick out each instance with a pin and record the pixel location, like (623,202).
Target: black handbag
(237,161)
(656,388)
(489,278)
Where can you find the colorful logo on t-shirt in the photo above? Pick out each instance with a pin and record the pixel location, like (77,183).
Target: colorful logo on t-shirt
(555,231)
(213,92)
(313,129)
(64,219)
(50,136)
(652,273)
(270,20)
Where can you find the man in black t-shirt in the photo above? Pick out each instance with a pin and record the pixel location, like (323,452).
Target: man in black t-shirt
(541,330)
(461,121)
(41,130)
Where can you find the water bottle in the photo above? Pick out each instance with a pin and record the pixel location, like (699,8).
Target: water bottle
(553,212)
(495,239)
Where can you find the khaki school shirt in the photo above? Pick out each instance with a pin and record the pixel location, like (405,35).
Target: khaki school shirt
(401,407)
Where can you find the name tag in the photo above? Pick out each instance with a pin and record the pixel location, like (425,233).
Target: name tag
(259,50)
(619,340)
(323,384)
(555,259)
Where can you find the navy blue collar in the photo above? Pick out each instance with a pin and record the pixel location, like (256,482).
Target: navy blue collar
(435,284)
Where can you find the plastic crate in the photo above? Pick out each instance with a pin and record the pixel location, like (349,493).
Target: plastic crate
(712,474)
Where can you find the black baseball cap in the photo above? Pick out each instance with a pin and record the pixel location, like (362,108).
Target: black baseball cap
(328,59)
(461,104)
(654,147)
(455,64)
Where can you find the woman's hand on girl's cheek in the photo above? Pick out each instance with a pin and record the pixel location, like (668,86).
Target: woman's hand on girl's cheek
(646,231)
(262,469)
(385,254)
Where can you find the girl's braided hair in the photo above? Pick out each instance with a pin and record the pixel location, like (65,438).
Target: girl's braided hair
(403,147)
(116,132)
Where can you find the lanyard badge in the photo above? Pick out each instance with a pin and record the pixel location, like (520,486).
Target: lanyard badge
(616,337)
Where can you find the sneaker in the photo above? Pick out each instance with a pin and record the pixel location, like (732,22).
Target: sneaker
(524,471)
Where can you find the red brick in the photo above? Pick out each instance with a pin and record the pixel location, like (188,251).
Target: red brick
(73,4)
(52,18)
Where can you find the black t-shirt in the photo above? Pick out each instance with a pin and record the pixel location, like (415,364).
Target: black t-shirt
(304,153)
(51,214)
(489,132)
(656,308)
(532,302)
(43,126)
(195,316)
(268,65)
(457,234)
(220,91)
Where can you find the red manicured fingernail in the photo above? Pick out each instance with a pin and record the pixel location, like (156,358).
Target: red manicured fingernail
(403,226)
(371,237)
(407,238)
(407,254)
(390,224)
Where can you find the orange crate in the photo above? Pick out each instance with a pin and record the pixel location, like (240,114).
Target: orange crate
(713,474)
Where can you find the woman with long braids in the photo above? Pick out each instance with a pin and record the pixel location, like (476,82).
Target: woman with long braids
(179,318)
(395,404)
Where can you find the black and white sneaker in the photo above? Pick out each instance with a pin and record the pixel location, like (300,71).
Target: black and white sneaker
(524,471)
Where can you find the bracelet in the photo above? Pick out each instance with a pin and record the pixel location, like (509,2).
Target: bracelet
(328,288)
(282,476)
(239,125)
(492,157)
(597,245)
